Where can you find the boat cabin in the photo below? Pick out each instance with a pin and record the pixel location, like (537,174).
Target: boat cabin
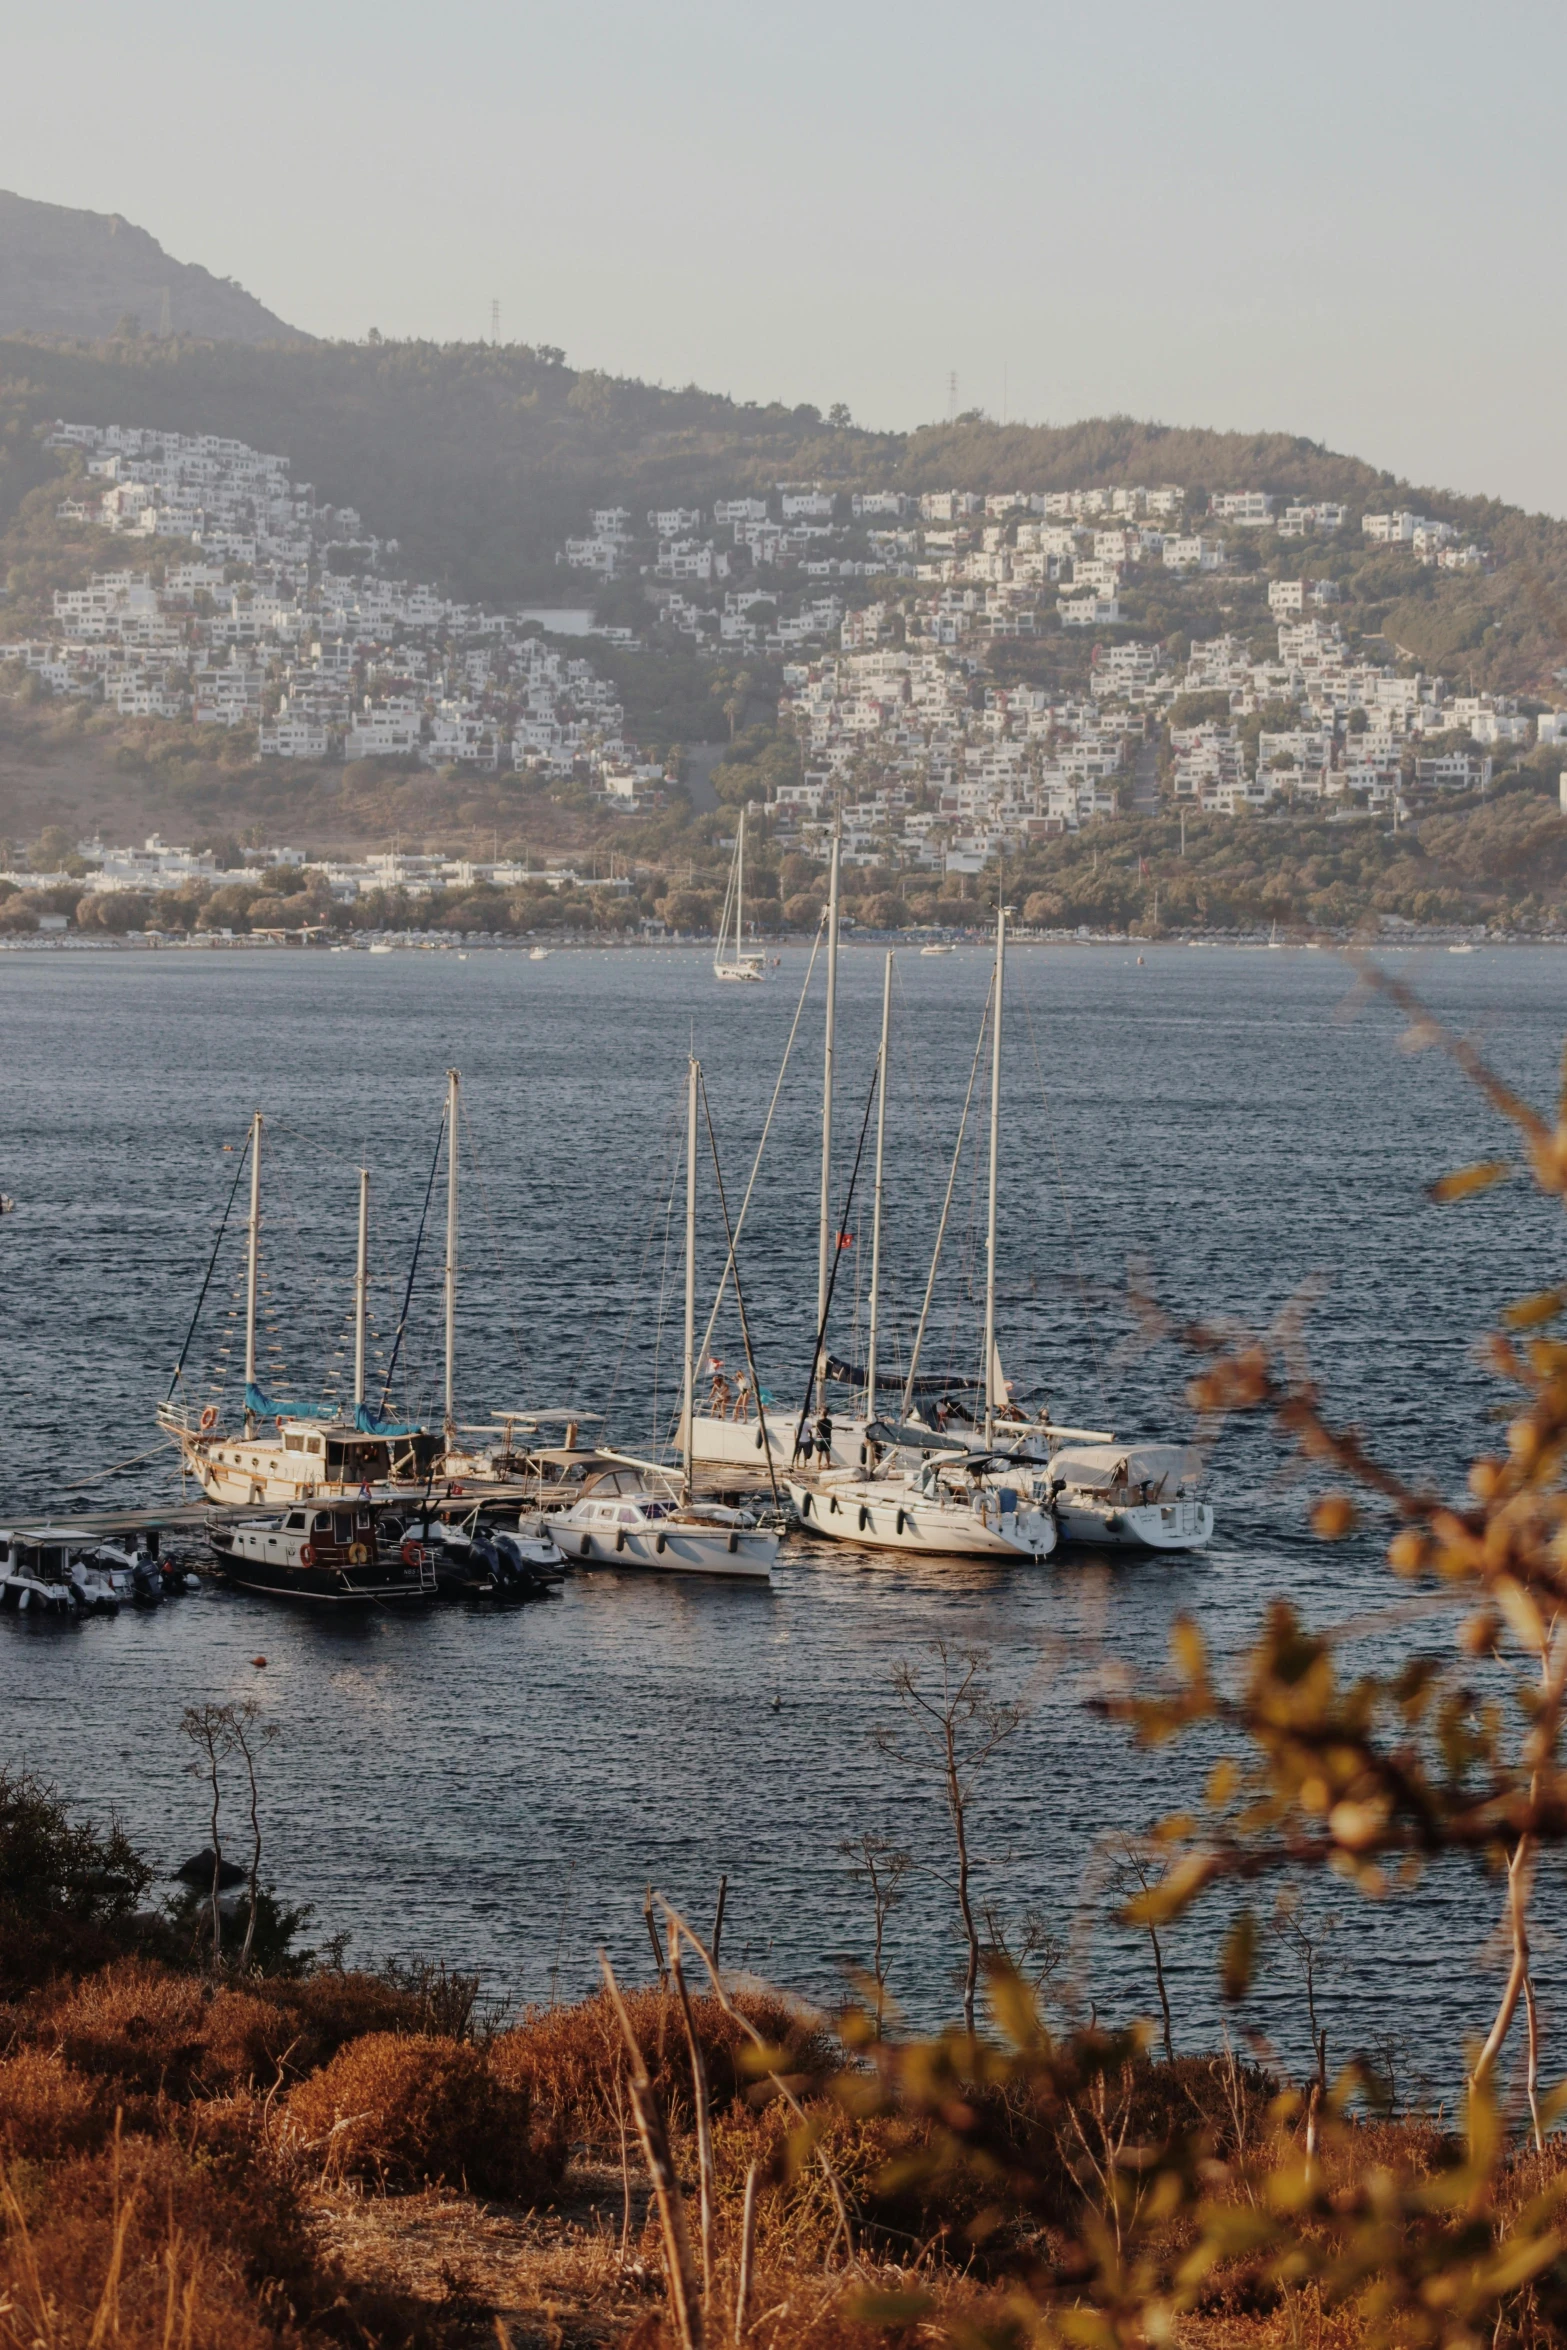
(43,1558)
(335,1452)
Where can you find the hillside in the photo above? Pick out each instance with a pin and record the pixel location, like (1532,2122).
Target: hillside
(480,460)
(64,272)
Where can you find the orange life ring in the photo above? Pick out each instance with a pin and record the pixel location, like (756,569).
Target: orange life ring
(209,1418)
(413,1556)
(307,1554)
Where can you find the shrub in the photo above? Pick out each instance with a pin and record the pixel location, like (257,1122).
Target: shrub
(571,2060)
(405,2110)
(48,2110)
(68,1891)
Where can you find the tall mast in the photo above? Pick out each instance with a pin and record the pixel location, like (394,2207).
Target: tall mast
(881,1136)
(252,1268)
(361,1289)
(990,1226)
(450,1420)
(740,889)
(689,1407)
(828,1238)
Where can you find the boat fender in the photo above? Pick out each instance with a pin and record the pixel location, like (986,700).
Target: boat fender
(620,1539)
(659,1544)
(413,1556)
(209,1418)
(864,1457)
(865,1517)
(832,1504)
(734,1544)
(806,1503)
(584,1546)
(899,1526)
(307,1554)
(1113,1523)
(359,1554)
(758,1440)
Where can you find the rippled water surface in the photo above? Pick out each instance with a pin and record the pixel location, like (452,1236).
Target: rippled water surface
(501,1790)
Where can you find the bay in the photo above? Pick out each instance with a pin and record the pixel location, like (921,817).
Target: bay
(1229,1126)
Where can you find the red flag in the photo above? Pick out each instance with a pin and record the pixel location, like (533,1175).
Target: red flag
(846,1240)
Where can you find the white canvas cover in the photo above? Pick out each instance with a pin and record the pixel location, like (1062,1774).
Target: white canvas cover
(1095,1468)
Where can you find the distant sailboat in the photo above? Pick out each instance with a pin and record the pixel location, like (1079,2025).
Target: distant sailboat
(740,964)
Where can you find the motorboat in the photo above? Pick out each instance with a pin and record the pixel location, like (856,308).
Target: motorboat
(333,1556)
(954,1505)
(633,1517)
(538,954)
(1129,1496)
(939,947)
(736,961)
(42,1572)
(137,1573)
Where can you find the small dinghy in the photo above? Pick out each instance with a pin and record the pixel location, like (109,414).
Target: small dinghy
(472,1561)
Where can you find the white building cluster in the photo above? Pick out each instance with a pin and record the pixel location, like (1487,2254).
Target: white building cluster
(252,625)
(930,766)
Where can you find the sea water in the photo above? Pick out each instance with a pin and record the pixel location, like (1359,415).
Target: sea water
(1225,1134)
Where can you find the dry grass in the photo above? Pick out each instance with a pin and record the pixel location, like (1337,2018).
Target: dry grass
(417,2110)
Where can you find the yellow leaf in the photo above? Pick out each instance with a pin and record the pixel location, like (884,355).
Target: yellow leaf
(1530,1312)
(1333,1516)
(1186,1644)
(1238,1957)
(1223,1780)
(1464,1182)
(1520,1611)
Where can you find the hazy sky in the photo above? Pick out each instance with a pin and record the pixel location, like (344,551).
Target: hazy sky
(1342,220)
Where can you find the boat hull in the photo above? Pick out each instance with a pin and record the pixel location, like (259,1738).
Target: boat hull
(734,1555)
(874,1517)
(320,1586)
(1169,1525)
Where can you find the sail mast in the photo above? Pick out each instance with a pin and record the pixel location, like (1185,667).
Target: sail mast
(990,1226)
(740,888)
(828,1238)
(252,1269)
(689,1407)
(450,1419)
(881,1137)
(361,1285)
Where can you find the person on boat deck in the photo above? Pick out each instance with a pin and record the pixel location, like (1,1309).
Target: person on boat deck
(824,1440)
(718,1394)
(742,1410)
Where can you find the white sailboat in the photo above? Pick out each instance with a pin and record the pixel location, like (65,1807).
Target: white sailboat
(953,1504)
(638,1514)
(742,963)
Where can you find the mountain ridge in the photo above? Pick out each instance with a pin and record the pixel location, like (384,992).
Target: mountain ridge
(66,271)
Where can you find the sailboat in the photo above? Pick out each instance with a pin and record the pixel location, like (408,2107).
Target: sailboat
(927,1495)
(741,964)
(638,1513)
(283,1455)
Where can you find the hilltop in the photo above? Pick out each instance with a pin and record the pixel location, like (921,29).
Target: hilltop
(480,459)
(64,272)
